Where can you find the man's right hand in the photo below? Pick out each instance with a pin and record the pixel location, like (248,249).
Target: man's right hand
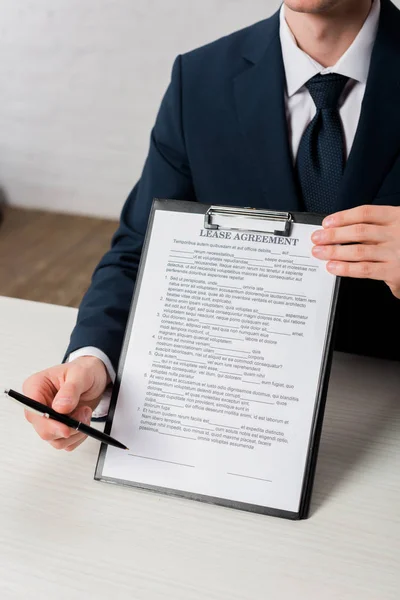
(73,388)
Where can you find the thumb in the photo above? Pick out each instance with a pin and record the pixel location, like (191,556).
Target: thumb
(69,394)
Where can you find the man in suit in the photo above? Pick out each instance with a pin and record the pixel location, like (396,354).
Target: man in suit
(298,112)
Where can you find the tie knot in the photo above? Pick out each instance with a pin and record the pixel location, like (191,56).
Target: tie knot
(326,90)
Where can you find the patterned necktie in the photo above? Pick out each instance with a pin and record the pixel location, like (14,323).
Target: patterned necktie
(321,157)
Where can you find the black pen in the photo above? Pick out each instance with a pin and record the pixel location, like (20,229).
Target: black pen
(50,413)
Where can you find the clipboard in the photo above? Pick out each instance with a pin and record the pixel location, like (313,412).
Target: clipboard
(260,222)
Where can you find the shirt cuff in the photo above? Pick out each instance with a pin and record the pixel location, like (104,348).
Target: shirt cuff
(102,409)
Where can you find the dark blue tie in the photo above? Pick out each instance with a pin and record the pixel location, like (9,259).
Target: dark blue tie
(321,156)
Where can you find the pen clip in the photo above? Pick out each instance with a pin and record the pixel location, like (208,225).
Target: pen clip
(33,410)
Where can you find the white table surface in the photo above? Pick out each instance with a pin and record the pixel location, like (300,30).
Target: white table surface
(64,535)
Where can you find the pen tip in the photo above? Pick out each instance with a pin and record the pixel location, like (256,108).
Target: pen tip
(6,391)
(126,448)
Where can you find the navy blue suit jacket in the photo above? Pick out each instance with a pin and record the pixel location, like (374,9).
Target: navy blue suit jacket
(221,138)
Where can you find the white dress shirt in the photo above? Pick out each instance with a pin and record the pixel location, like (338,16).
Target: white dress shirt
(300,109)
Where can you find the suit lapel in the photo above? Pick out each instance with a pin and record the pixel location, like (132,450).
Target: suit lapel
(260,103)
(377,141)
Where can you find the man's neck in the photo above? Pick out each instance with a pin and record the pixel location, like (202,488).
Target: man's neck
(327,35)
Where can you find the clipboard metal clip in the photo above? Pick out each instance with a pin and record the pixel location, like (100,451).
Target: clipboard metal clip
(248,219)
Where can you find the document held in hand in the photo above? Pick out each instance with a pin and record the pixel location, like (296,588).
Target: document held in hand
(223,376)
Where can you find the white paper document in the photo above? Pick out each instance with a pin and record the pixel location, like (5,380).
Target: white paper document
(223,363)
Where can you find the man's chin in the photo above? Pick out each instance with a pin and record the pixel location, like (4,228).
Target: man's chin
(314,7)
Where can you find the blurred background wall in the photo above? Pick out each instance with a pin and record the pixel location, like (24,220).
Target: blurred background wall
(81,83)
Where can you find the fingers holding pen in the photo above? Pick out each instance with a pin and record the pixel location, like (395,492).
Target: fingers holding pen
(58,435)
(72,389)
(74,438)
(47,429)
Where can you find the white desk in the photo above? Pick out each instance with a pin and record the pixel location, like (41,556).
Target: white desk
(63,535)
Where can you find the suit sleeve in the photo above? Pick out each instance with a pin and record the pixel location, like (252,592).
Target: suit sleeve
(104,309)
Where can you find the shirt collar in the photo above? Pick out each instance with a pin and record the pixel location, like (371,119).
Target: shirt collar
(355,62)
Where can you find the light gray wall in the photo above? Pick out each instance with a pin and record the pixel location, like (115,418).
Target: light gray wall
(81,83)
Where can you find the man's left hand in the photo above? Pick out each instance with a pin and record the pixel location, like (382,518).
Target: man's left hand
(373,233)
